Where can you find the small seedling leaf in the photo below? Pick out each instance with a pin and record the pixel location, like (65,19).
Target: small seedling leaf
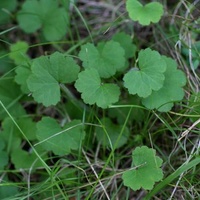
(146,170)
(149,76)
(93,91)
(151,12)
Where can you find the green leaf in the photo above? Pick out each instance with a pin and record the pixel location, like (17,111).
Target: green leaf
(147,169)
(6,6)
(3,155)
(93,91)
(63,68)
(149,76)
(172,90)
(101,57)
(109,133)
(151,12)
(32,161)
(8,134)
(5,63)
(22,73)
(59,140)
(18,52)
(13,136)
(126,43)
(47,73)
(4,159)
(43,14)
(8,190)
(10,93)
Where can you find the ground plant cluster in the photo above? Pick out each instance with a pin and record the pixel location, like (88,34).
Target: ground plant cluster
(99,99)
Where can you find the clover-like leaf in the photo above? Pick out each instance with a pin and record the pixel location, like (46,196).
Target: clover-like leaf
(93,91)
(151,12)
(149,76)
(146,169)
(109,132)
(59,140)
(106,58)
(43,14)
(172,90)
(47,73)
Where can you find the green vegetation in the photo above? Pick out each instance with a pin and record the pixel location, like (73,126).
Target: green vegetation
(99,99)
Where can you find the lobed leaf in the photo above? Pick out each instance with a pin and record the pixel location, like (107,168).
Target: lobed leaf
(172,90)
(146,14)
(59,140)
(147,170)
(149,76)
(106,58)
(47,73)
(93,91)
(43,14)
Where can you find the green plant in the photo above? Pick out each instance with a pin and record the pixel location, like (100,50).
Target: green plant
(71,111)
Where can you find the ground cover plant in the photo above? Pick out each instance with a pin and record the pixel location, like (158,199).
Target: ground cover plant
(99,99)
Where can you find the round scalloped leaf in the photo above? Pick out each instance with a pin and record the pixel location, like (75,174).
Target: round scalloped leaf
(43,14)
(172,90)
(151,12)
(47,73)
(106,58)
(59,140)
(147,169)
(93,91)
(149,76)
